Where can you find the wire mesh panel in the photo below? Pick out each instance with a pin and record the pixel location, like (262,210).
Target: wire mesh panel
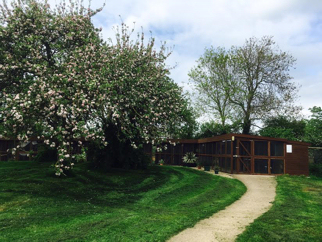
(214,147)
(228,164)
(245,148)
(147,148)
(234,164)
(177,160)
(277,148)
(223,147)
(208,148)
(261,148)
(218,148)
(4,157)
(167,159)
(222,163)
(6,144)
(245,165)
(168,148)
(188,148)
(229,147)
(277,166)
(206,160)
(202,148)
(177,149)
(261,166)
(3,145)
(157,158)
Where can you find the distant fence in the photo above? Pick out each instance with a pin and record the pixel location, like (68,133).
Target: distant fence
(27,150)
(173,155)
(23,152)
(212,153)
(239,153)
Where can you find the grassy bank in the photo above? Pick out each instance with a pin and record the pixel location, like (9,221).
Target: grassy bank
(150,205)
(295,216)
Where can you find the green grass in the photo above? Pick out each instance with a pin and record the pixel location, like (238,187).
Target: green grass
(149,205)
(296,214)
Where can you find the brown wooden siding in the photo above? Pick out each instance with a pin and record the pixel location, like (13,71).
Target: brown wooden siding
(236,154)
(297,162)
(24,153)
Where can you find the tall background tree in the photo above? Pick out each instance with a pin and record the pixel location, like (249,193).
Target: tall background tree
(314,136)
(209,77)
(314,127)
(254,80)
(284,127)
(212,128)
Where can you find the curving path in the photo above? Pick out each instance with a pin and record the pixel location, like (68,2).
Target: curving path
(227,224)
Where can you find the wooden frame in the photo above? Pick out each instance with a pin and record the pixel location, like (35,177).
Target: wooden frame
(295,163)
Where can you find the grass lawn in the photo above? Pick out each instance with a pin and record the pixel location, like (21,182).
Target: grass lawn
(296,214)
(149,205)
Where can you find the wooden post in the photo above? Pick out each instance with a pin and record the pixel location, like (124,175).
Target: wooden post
(237,154)
(252,160)
(212,149)
(172,154)
(232,156)
(284,158)
(181,157)
(269,157)
(17,151)
(30,148)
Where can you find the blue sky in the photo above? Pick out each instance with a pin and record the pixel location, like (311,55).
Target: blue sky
(191,25)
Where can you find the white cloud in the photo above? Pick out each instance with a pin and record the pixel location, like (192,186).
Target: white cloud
(192,25)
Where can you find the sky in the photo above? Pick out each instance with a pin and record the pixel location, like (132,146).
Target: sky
(189,26)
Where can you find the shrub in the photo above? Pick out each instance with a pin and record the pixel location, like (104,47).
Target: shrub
(190,157)
(316,169)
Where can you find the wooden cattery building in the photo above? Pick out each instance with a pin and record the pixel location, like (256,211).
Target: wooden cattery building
(238,153)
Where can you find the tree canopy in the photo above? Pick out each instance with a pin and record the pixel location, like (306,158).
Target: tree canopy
(211,128)
(62,83)
(50,72)
(252,81)
(210,77)
(314,127)
(308,130)
(284,127)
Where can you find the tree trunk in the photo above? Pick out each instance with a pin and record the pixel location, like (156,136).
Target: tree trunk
(246,125)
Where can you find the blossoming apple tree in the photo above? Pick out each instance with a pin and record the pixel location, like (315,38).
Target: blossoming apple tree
(61,83)
(51,61)
(143,102)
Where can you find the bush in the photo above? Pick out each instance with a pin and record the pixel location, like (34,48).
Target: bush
(316,169)
(190,157)
(316,154)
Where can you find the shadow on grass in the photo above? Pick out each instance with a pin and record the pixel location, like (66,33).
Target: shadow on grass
(83,185)
(90,205)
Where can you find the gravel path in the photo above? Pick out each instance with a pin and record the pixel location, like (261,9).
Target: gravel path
(227,224)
